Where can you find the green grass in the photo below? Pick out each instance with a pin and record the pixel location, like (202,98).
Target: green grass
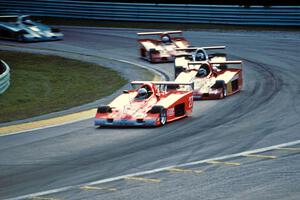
(42,84)
(157,25)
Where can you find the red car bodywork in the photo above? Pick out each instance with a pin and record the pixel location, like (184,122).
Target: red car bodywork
(156,50)
(166,99)
(221,79)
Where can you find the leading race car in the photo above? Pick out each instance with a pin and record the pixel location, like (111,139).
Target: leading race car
(162,49)
(23,29)
(151,104)
(186,55)
(213,80)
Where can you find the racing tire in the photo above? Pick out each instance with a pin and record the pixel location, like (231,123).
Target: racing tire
(151,52)
(163,117)
(221,85)
(162,114)
(178,70)
(143,53)
(224,91)
(104,109)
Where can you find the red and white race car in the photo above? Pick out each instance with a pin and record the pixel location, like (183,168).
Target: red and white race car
(151,104)
(186,55)
(213,80)
(163,48)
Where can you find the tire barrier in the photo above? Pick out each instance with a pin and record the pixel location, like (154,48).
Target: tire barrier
(4,76)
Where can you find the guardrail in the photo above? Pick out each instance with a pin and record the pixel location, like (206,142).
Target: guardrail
(4,76)
(176,13)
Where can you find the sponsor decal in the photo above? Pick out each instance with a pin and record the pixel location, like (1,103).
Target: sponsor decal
(171,112)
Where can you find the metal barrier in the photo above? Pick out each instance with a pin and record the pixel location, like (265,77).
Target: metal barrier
(4,76)
(176,13)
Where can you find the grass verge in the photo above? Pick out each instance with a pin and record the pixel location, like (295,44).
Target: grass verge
(42,84)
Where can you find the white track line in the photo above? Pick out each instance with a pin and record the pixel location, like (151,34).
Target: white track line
(155,170)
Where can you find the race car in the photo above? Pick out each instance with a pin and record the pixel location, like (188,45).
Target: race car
(23,29)
(149,104)
(213,80)
(163,48)
(185,55)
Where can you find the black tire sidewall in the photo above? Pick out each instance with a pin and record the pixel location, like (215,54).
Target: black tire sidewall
(224,90)
(163,114)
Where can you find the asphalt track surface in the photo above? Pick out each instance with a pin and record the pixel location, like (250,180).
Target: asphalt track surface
(265,113)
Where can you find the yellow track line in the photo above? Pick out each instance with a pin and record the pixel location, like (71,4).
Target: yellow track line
(259,156)
(98,188)
(47,122)
(181,170)
(148,180)
(14,129)
(224,163)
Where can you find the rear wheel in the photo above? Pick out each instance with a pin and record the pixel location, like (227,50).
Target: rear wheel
(224,91)
(221,85)
(143,52)
(162,114)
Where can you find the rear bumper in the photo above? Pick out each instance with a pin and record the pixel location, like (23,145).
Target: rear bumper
(206,96)
(211,96)
(120,122)
(167,59)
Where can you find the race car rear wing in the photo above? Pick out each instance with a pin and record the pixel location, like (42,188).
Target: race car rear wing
(164,83)
(228,62)
(205,48)
(183,55)
(222,63)
(159,33)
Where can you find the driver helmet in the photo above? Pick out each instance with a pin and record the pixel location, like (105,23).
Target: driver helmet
(142,94)
(199,56)
(165,39)
(202,72)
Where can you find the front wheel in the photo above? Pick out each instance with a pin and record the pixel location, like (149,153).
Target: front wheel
(163,117)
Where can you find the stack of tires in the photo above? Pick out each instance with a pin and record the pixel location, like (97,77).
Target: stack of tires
(4,76)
